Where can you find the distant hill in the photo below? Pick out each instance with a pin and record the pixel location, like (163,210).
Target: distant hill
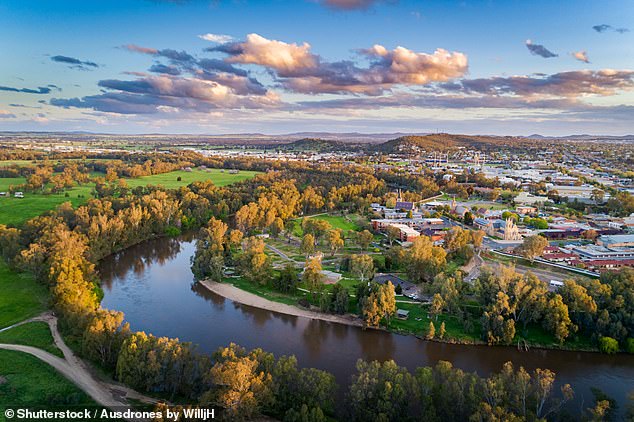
(316,145)
(444,141)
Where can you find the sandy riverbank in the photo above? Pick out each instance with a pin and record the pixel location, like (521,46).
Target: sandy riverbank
(240,296)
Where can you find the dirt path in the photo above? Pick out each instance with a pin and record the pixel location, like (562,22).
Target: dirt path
(238,295)
(107,394)
(473,268)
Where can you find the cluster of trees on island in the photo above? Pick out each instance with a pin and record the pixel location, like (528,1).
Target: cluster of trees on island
(62,247)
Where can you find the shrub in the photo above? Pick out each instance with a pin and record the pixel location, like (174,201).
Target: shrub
(608,345)
(629,345)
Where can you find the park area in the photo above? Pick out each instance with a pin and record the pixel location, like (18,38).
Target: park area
(15,211)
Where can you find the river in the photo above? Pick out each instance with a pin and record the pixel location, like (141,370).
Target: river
(153,285)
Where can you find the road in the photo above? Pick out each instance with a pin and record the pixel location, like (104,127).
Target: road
(474,271)
(113,396)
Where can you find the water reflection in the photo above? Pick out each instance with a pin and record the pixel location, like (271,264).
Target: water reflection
(152,283)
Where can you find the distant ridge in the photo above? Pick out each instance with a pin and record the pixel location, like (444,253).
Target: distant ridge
(381,142)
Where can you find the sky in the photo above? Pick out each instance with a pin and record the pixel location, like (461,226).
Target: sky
(245,66)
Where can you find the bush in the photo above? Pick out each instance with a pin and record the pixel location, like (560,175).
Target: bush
(172,231)
(608,345)
(304,303)
(629,345)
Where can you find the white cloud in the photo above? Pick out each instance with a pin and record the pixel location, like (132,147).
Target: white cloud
(582,56)
(217,38)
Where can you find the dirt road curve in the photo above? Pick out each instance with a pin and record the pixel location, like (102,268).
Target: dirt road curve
(106,394)
(82,379)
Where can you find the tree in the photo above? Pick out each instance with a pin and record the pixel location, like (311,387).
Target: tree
(441,332)
(476,238)
(597,195)
(376,302)
(581,306)
(364,239)
(590,234)
(287,280)
(371,310)
(557,320)
(241,388)
(381,392)
(424,260)
(308,244)
(436,306)
(335,241)
(311,200)
(316,226)
(254,263)
(340,300)
(104,336)
(532,247)
(387,301)
(208,261)
(468,218)
(312,276)
(457,238)
(608,345)
(393,233)
(362,266)
(431,331)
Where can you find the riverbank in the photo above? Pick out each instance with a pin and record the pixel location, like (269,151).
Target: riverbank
(231,292)
(415,326)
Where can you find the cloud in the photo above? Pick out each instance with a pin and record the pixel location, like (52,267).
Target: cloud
(299,70)
(605,27)
(75,63)
(217,38)
(433,101)
(39,90)
(539,50)
(582,56)
(564,84)
(285,58)
(138,49)
(408,67)
(152,94)
(349,4)
(166,69)
(217,65)
(6,115)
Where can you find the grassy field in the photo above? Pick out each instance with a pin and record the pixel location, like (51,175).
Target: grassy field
(170,180)
(25,381)
(16,211)
(418,323)
(21,297)
(347,223)
(36,334)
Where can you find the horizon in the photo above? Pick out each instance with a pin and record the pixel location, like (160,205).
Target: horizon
(399,133)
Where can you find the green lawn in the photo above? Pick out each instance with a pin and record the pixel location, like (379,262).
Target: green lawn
(351,222)
(25,381)
(21,297)
(36,334)
(16,211)
(170,180)
(418,323)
